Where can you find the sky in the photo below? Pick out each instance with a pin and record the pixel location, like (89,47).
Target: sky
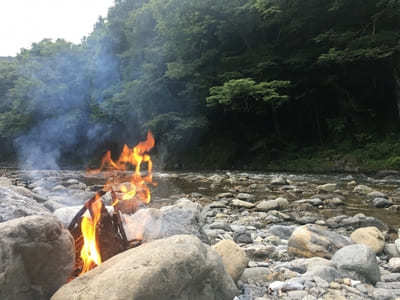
(23,22)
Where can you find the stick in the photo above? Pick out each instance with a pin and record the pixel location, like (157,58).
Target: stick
(86,206)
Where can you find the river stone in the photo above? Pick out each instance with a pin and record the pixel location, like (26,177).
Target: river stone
(376,194)
(278,180)
(282,231)
(391,250)
(369,236)
(267,205)
(381,202)
(233,257)
(37,256)
(357,262)
(245,196)
(315,240)
(394,264)
(14,204)
(397,244)
(257,274)
(150,223)
(240,203)
(179,267)
(328,188)
(363,189)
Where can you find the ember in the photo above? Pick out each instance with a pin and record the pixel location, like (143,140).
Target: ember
(101,236)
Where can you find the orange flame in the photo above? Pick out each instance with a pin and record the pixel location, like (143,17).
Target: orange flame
(90,252)
(136,189)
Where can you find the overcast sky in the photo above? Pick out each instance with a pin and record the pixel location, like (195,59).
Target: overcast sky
(23,22)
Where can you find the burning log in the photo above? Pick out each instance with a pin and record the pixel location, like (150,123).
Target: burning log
(102,235)
(77,218)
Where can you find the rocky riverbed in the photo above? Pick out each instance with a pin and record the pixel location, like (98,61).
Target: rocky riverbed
(298,230)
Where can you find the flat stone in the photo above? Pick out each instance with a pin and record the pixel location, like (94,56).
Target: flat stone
(243,204)
(245,196)
(329,187)
(363,189)
(267,205)
(251,275)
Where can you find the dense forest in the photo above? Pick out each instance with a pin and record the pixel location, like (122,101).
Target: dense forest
(244,84)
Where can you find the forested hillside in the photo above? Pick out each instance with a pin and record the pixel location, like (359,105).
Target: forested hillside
(277,84)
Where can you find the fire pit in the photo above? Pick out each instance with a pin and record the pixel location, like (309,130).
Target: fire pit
(98,233)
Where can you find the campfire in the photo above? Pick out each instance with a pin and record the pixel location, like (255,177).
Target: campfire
(98,233)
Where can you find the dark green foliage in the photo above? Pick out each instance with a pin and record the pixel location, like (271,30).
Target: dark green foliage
(268,78)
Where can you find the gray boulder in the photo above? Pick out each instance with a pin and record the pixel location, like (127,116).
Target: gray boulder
(179,268)
(37,256)
(357,262)
(14,202)
(151,224)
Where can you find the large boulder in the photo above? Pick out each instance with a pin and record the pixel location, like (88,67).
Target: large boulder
(37,256)
(369,236)
(180,267)
(357,262)
(150,223)
(14,202)
(314,240)
(233,257)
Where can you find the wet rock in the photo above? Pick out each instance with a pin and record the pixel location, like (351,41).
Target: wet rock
(37,257)
(328,188)
(381,202)
(314,240)
(363,189)
(267,205)
(233,257)
(357,262)
(242,237)
(282,231)
(179,267)
(369,236)
(242,204)
(394,264)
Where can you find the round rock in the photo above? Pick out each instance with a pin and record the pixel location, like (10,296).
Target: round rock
(369,236)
